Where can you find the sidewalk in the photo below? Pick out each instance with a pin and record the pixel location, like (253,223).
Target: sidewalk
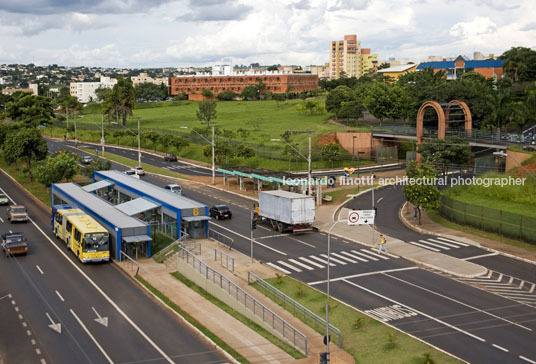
(363,234)
(240,337)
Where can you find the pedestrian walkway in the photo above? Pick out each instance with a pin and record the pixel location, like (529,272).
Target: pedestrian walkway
(425,252)
(320,261)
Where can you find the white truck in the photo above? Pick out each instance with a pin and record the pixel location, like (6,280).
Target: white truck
(287,211)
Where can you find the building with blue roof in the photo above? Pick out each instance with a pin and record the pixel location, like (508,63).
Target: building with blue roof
(489,68)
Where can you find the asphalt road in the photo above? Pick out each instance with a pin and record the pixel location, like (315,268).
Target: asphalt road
(49,303)
(466,320)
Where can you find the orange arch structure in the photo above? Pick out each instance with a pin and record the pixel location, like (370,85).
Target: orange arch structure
(466,113)
(440,116)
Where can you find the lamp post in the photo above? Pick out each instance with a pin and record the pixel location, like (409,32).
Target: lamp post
(308,159)
(213,144)
(503,154)
(130,131)
(102,134)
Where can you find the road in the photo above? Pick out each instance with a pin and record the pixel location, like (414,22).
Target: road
(56,310)
(470,321)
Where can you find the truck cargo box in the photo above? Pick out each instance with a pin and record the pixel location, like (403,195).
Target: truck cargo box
(287,207)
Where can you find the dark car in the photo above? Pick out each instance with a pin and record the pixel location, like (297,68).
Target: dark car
(220,212)
(170,157)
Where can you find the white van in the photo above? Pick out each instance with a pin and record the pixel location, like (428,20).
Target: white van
(174,188)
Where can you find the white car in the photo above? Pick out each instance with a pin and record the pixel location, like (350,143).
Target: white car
(139,171)
(175,188)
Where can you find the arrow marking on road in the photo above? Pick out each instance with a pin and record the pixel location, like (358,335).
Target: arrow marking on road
(53,326)
(101,320)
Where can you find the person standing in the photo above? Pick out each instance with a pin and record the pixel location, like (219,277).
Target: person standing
(383,244)
(415,212)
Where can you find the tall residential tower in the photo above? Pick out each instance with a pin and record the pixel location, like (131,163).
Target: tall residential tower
(347,56)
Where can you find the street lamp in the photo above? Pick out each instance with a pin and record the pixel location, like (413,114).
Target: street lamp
(130,131)
(213,146)
(503,154)
(308,159)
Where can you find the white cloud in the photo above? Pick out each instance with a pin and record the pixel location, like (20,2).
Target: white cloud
(478,26)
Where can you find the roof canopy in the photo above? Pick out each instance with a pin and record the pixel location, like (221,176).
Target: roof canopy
(137,206)
(97,186)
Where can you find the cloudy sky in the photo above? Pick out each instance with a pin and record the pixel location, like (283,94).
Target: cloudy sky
(161,33)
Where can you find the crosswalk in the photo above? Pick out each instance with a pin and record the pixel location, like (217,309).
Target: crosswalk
(319,261)
(438,244)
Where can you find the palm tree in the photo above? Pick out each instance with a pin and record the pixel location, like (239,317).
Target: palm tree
(500,108)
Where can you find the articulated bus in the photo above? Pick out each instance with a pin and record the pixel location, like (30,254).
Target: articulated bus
(83,234)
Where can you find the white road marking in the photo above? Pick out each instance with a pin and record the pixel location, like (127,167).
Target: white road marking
(33,341)
(365,255)
(362,275)
(59,295)
(378,200)
(92,337)
(481,256)
(426,242)
(37,351)
(458,302)
(443,243)
(452,241)
(331,259)
(499,347)
(527,359)
(311,262)
(1,219)
(24,324)
(375,254)
(278,268)
(344,258)
(302,242)
(419,312)
(354,256)
(346,242)
(423,246)
(10,231)
(39,269)
(269,236)
(300,264)
(248,238)
(289,266)
(322,260)
(323,234)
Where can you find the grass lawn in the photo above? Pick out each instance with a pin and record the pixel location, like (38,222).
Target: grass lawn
(368,343)
(222,344)
(237,315)
(435,217)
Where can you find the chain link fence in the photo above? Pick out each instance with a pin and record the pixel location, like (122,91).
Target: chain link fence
(509,224)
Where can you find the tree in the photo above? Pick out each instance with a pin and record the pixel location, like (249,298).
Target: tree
(260,86)
(25,143)
(402,103)
(500,109)
(222,151)
(120,100)
(249,93)
(227,95)
(63,165)
(245,152)
(149,91)
(31,110)
(384,66)
(207,93)
(380,101)
(421,190)
(206,111)
(336,97)
(279,99)
(101,93)
(311,107)
(442,152)
(520,64)
(97,164)
(181,96)
(351,110)
(179,143)
(153,136)
(331,151)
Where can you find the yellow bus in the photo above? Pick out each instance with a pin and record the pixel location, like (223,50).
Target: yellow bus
(88,239)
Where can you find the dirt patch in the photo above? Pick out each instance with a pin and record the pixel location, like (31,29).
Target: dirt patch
(328,139)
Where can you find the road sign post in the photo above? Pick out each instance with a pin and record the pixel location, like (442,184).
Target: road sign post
(361,217)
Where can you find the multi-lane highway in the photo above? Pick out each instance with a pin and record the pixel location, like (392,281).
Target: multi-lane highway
(480,322)
(55,310)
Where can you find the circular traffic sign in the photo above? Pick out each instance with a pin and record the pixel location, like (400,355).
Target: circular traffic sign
(353,217)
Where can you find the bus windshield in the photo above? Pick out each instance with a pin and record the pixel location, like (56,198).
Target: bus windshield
(96,242)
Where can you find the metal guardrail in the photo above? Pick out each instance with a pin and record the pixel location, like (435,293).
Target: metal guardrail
(192,246)
(169,249)
(224,258)
(298,339)
(303,313)
(224,239)
(131,261)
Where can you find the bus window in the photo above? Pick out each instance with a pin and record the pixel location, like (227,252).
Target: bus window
(58,217)
(77,235)
(69,227)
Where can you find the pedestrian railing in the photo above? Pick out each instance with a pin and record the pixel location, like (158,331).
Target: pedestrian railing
(303,313)
(224,239)
(131,263)
(225,259)
(164,253)
(260,311)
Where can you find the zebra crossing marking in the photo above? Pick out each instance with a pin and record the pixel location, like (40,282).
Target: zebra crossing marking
(437,244)
(424,246)
(289,266)
(311,262)
(452,241)
(364,255)
(426,242)
(354,256)
(278,268)
(300,264)
(444,243)
(344,258)
(333,259)
(322,260)
(375,254)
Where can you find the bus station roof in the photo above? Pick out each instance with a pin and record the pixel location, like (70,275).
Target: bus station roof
(137,206)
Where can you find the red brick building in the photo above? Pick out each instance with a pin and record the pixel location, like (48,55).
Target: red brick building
(278,83)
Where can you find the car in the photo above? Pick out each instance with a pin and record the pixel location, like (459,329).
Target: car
(170,158)
(220,212)
(139,171)
(17,213)
(87,159)
(129,172)
(3,199)
(14,243)
(175,188)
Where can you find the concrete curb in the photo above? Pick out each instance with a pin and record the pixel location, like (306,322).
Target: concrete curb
(464,239)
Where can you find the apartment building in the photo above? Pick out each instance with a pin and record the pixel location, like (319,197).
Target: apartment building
(144,77)
(85,91)
(347,56)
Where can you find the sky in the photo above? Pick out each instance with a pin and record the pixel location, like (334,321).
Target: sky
(181,33)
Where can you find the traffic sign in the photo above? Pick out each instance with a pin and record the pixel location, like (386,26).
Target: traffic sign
(360,217)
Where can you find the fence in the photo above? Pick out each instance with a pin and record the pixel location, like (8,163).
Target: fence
(224,239)
(256,308)
(226,260)
(131,262)
(303,313)
(485,218)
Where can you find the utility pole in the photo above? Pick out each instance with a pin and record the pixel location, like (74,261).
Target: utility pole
(213,160)
(75,136)
(374,222)
(309,169)
(251,227)
(139,144)
(102,134)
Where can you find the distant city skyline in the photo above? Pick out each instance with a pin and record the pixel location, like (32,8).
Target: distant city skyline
(167,33)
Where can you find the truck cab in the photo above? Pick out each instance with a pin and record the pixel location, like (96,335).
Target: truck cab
(14,243)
